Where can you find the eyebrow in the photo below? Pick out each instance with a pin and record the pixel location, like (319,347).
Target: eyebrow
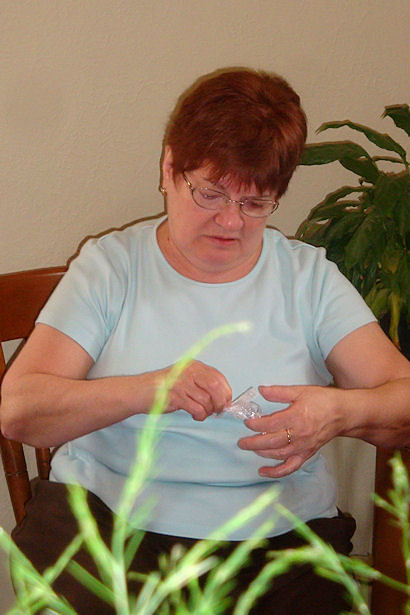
(217,185)
(221,188)
(210,181)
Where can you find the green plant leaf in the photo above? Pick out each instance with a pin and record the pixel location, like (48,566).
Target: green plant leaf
(323,153)
(334,210)
(331,205)
(311,232)
(390,189)
(391,257)
(382,140)
(356,279)
(369,236)
(402,218)
(377,300)
(400,114)
(336,253)
(370,271)
(395,309)
(387,159)
(364,167)
(402,277)
(343,228)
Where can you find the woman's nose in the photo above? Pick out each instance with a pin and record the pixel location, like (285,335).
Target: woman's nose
(230,217)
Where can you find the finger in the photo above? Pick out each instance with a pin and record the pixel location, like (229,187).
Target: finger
(189,401)
(200,396)
(199,403)
(278,453)
(275,422)
(220,393)
(212,403)
(196,410)
(264,441)
(280,393)
(291,464)
(214,384)
(260,424)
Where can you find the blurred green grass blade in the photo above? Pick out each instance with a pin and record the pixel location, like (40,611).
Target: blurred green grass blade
(237,559)
(51,574)
(99,551)
(132,547)
(91,582)
(34,591)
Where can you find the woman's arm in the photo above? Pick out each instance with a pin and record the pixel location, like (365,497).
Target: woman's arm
(47,400)
(375,378)
(371,401)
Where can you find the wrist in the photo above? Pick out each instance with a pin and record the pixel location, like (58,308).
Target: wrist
(353,404)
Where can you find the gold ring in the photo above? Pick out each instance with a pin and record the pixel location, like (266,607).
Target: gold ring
(289,436)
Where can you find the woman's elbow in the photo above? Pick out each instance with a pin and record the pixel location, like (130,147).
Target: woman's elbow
(9,426)
(13,420)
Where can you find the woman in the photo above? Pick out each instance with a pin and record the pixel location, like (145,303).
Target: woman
(135,300)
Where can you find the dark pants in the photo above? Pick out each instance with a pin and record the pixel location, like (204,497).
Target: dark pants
(50,525)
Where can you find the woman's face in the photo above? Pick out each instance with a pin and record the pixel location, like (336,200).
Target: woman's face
(208,246)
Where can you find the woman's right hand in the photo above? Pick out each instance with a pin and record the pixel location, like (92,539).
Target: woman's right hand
(47,399)
(201,390)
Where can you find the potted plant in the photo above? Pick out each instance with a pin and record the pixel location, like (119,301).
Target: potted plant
(365,228)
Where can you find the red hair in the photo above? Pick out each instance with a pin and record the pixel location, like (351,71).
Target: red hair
(245,125)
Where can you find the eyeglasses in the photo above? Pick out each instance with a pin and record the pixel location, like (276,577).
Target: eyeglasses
(253,206)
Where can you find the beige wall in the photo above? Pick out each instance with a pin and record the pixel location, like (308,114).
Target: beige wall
(86,87)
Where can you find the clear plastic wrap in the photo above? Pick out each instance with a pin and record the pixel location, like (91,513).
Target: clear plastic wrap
(243,407)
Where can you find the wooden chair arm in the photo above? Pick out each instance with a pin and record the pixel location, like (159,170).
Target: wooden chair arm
(15,470)
(387,553)
(43,459)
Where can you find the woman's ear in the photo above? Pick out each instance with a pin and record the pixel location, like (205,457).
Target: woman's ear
(167,167)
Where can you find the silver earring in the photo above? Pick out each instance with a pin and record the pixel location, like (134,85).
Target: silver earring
(163,190)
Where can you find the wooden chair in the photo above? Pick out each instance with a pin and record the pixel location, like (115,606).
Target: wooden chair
(22,295)
(387,552)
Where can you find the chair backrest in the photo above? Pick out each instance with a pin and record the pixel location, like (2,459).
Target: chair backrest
(22,295)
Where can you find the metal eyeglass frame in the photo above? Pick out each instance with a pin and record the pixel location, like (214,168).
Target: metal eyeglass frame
(227,199)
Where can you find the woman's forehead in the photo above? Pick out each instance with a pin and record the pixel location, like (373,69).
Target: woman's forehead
(224,181)
(229,182)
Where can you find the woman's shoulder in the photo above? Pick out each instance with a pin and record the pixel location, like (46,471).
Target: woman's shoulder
(127,235)
(115,253)
(289,250)
(119,243)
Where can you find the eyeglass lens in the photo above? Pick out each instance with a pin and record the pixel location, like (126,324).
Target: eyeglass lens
(212,199)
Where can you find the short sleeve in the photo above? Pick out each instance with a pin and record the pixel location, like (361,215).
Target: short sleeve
(338,308)
(87,302)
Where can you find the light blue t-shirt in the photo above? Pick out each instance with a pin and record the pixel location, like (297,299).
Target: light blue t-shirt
(132,312)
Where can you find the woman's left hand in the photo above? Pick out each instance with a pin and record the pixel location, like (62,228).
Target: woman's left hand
(313,417)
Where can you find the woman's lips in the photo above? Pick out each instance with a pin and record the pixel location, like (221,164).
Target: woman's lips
(220,240)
